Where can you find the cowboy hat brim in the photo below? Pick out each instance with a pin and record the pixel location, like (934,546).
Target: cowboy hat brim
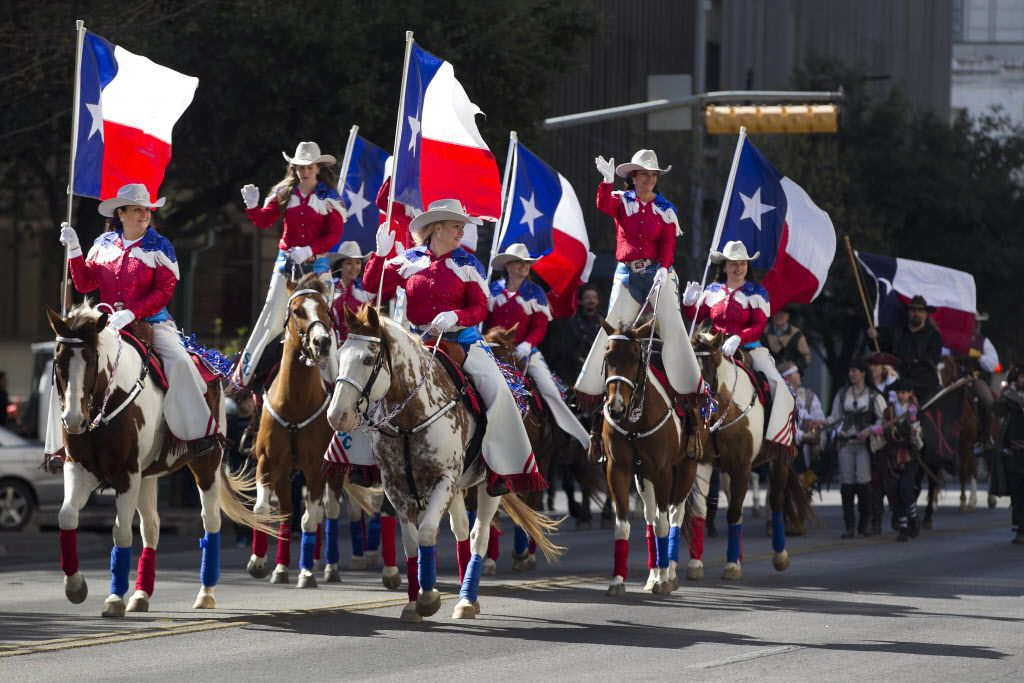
(428,217)
(322,159)
(108,206)
(501,260)
(623,170)
(882,358)
(719,257)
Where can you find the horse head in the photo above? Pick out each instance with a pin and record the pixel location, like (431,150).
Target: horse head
(502,343)
(76,363)
(708,349)
(309,318)
(364,369)
(624,363)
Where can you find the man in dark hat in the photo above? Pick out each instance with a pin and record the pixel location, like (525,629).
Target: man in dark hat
(918,345)
(786,341)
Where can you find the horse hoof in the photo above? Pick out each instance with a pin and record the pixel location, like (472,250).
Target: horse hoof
(257,567)
(75,588)
(651,586)
(732,572)
(992,501)
(428,603)
(357,564)
(971,507)
(410,614)
(490,567)
(616,590)
(372,559)
(663,588)
(927,524)
(464,610)
(963,507)
(113,606)
(206,599)
(531,562)
(476,606)
(306,580)
(780,561)
(280,576)
(139,602)
(584,526)
(695,572)
(673,584)
(331,574)
(391,579)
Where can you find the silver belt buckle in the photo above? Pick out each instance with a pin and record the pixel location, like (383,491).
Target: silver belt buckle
(638,265)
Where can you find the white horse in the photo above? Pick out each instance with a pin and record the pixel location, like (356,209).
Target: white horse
(114,434)
(420,451)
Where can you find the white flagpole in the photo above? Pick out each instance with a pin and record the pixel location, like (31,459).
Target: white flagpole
(80,30)
(506,192)
(346,160)
(398,145)
(722,211)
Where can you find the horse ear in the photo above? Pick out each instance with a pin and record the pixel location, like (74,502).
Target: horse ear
(719,339)
(351,319)
(645,329)
(372,318)
(512,330)
(57,324)
(608,329)
(101,322)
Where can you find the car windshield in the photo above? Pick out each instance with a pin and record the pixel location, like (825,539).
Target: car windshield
(9,439)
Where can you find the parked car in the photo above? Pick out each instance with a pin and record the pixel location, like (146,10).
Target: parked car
(25,490)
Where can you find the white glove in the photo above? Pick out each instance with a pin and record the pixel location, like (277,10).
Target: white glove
(660,277)
(606,168)
(385,240)
(251,196)
(523,350)
(444,321)
(399,248)
(119,319)
(301,254)
(691,294)
(69,238)
(730,345)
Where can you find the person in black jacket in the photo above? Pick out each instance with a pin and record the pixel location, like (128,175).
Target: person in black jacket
(918,345)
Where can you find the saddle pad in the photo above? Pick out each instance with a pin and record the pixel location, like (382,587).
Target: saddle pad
(156,366)
(662,378)
(758,380)
(470,397)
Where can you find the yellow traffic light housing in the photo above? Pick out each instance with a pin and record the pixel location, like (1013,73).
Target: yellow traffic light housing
(788,118)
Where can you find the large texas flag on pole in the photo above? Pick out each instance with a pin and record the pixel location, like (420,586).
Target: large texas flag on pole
(543,213)
(128,106)
(362,178)
(440,152)
(773,215)
(951,292)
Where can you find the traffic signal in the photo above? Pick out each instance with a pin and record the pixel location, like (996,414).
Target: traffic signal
(784,118)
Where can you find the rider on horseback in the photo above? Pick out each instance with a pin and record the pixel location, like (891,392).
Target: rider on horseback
(313,223)
(447,294)
(517,300)
(136,271)
(348,290)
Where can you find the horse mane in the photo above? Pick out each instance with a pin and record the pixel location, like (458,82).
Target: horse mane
(82,314)
(312,281)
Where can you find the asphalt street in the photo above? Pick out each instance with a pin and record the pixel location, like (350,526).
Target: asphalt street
(947,605)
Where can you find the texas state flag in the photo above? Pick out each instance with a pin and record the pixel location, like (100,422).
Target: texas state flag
(544,214)
(773,215)
(358,188)
(440,152)
(951,292)
(127,108)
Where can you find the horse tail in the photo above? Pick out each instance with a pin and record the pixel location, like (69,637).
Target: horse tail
(797,502)
(590,477)
(536,525)
(361,495)
(236,497)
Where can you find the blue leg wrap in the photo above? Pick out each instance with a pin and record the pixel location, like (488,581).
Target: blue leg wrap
(778,532)
(331,541)
(427,570)
(732,552)
(209,570)
(306,550)
(120,565)
(662,543)
(373,533)
(471,582)
(520,541)
(673,544)
(472,520)
(356,529)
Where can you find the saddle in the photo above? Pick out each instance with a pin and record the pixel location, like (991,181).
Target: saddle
(139,335)
(452,357)
(758,379)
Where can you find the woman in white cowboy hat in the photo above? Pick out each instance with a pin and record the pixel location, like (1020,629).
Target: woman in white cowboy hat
(313,223)
(517,300)
(646,227)
(135,269)
(348,288)
(446,293)
(738,308)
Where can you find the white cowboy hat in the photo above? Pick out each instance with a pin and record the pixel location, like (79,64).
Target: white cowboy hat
(307,153)
(349,249)
(644,160)
(441,210)
(134,194)
(514,252)
(733,251)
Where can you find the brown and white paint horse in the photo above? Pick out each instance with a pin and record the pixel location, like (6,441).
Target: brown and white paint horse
(115,436)
(421,454)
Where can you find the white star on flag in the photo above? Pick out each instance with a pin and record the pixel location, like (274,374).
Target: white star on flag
(414,127)
(753,208)
(96,112)
(357,202)
(530,212)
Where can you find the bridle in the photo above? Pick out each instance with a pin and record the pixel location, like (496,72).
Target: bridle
(720,424)
(303,337)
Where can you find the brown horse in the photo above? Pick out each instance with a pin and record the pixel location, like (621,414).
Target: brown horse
(115,436)
(645,441)
(550,444)
(293,435)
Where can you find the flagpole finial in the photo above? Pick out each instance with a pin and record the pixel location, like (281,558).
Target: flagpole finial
(79,24)
(408,36)
(514,136)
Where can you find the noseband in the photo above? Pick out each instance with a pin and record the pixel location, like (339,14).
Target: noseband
(383,356)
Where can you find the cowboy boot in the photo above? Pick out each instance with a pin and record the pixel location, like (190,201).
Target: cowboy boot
(904,534)
(864,509)
(913,521)
(846,493)
(877,509)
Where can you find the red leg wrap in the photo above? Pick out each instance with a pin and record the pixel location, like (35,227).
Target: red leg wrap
(492,545)
(462,553)
(412,577)
(259,543)
(387,539)
(146,573)
(652,548)
(533,547)
(319,542)
(68,551)
(621,557)
(696,538)
(284,544)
